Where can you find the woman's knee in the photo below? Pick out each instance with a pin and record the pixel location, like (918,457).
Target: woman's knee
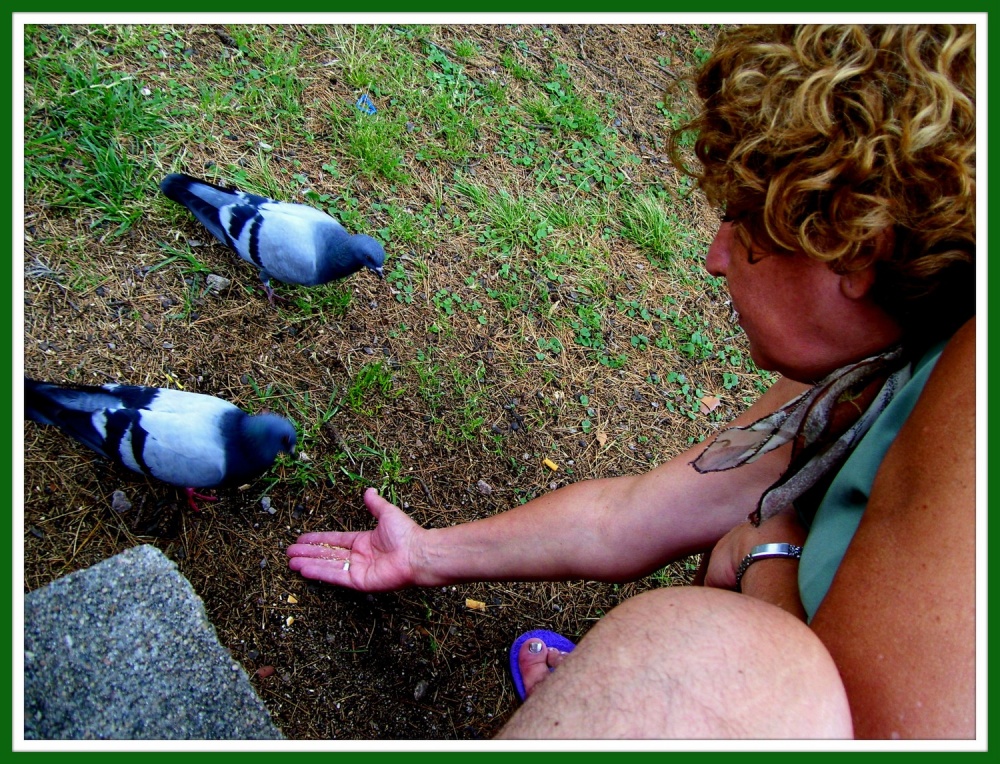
(697,663)
(745,667)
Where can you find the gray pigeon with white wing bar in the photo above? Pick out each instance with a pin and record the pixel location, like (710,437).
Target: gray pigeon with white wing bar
(185,439)
(292,243)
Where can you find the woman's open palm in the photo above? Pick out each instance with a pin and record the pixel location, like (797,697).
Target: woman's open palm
(378,560)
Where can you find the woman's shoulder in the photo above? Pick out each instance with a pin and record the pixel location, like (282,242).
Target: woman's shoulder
(910,568)
(954,372)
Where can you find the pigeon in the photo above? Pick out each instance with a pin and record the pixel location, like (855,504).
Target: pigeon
(293,243)
(185,439)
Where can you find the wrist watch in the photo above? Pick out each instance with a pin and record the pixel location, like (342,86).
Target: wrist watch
(766,552)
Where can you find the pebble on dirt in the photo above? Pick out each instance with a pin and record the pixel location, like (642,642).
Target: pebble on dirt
(216,283)
(420,690)
(119,503)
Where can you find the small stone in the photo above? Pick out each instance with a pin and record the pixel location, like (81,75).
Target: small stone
(119,503)
(216,283)
(484,488)
(265,503)
(420,690)
(265,671)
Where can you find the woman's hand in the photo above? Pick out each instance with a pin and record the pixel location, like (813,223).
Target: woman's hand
(774,580)
(378,560)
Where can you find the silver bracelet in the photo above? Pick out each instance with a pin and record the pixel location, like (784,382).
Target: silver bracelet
(766,552)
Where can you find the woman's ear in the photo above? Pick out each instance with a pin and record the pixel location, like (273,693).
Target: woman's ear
(855,285)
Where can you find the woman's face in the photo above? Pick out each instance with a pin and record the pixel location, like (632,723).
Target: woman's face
(802,319)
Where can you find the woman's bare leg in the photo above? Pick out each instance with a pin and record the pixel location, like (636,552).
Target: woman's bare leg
(689,662)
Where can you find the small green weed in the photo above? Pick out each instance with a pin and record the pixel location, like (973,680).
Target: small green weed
(369,387)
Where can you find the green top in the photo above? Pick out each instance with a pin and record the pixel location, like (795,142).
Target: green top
(840,511)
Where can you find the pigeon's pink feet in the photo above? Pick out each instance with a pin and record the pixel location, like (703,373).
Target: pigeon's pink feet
(192,495)
(272,295)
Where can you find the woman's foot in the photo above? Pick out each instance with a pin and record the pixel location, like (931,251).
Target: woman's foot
(533,655)
(536,660)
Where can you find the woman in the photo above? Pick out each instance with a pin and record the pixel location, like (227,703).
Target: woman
(843,159)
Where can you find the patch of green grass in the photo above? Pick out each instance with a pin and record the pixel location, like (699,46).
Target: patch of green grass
(430,384)
(88,133)
(325,302)
(369,387)
(650,226)
(373,142)
(376,465)
(466,49)
(469,395)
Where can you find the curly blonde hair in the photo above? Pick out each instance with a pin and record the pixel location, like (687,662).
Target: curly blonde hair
(820,139)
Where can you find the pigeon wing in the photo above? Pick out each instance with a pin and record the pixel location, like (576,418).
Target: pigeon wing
(175,448)
(226,213)
(292,242)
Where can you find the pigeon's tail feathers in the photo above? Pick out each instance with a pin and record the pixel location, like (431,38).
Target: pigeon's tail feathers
(38,406)
(180,188)
(203,199)
(70,408)
(44,402)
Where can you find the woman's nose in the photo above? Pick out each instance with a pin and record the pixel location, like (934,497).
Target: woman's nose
(717,259)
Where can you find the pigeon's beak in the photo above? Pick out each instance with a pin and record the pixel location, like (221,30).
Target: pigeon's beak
(379,272)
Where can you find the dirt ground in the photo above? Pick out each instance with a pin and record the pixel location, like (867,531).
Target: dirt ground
(330,663)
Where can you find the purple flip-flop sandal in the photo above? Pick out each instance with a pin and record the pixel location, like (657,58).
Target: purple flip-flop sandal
(550,638)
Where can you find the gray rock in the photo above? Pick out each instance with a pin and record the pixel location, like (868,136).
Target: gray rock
(217,283)
(124,651)
(119,502)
